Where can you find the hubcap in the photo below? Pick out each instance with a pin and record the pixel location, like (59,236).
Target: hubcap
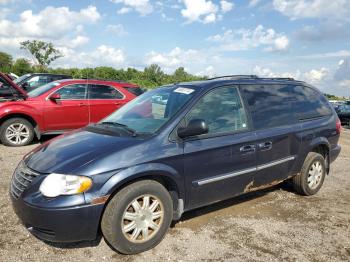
(17,133)
(315,175)
(142,218)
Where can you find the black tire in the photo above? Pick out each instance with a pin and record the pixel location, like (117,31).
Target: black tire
(112,219)
(300,182)
(16,122)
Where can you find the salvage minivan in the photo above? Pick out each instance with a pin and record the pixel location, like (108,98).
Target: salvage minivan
(133,173)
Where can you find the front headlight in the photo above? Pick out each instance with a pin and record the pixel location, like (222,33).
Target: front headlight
(56,184)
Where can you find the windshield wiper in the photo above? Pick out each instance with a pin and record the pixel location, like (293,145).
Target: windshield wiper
(129,129)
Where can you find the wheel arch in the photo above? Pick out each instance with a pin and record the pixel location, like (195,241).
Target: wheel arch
(321,146)
(170,180)
(26,117)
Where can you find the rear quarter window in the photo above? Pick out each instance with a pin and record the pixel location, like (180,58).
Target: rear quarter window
(277,105)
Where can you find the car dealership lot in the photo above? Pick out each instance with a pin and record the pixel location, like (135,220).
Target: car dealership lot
(273,224)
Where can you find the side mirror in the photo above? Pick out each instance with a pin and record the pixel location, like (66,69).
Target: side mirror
(55,97)
(25,85)
(195,127)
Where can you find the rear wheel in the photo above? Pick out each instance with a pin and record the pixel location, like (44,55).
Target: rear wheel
(312,175)
(137,217)
(16,132)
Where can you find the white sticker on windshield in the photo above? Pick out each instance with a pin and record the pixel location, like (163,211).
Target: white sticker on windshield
(183,90)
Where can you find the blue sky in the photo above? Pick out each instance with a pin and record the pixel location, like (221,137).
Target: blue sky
(304,39)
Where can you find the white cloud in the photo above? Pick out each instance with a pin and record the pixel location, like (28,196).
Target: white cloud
(117,30)
(340,53)
(296,9)
(79,40)
(103,55)
(46,22)
(175,58)
(245,39)
(313,76)
(143,7)
(124,10)
(316,76)
(5,2)
(253,3)
(226,6)
(343,71)
(199,10)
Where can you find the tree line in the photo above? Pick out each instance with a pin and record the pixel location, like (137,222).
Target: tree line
(44,53)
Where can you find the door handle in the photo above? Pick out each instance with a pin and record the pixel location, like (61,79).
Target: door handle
(117,103)
(265,145)
(247,148)
(81,104)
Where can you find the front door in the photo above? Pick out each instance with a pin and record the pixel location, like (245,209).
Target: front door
(103,101)
(69,112)
(220,164)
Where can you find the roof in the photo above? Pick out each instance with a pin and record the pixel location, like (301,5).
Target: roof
(242,79)
(106,81)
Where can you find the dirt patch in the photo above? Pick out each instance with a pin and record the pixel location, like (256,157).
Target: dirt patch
(268,225)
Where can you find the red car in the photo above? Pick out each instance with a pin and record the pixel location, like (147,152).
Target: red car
(57,107)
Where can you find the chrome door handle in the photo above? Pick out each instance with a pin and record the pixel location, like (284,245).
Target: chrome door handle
(265,145)
(247,148)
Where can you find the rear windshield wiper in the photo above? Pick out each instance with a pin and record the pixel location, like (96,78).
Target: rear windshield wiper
(129,129)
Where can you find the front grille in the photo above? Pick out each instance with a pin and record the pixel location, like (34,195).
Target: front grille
(21,179)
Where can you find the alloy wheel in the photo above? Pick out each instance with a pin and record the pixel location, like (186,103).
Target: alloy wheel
(142,218)
(17,133)
(315,175)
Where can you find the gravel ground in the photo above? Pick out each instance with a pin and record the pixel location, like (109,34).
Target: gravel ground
(268,225)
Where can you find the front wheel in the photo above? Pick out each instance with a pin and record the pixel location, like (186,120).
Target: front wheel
(137,217)
(312,175)
(16,132)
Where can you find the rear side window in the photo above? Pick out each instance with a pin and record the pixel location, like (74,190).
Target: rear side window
(134,90)
(309,103)
(104,92)
(222,110)
(278,105)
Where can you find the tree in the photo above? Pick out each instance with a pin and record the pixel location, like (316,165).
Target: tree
(22,66)
(5,61)
(43,52)
(154,74)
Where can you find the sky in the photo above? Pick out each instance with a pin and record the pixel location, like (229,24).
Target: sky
(305,39)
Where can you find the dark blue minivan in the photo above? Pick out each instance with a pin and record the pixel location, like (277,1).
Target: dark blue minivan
(173,149)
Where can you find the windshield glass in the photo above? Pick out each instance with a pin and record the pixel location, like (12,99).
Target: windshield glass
(21,78)
(42,89)
(153,109)
(344,108)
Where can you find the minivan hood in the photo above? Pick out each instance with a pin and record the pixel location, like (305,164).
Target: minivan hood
(13,85)
(69,152)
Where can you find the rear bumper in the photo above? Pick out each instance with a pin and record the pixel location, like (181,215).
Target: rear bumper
(334,153)
(71,224)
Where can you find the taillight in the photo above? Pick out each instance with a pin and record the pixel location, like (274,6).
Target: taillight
(338,126)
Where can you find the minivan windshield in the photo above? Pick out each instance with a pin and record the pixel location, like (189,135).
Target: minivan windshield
(21,78)
(42,89)
(152,110)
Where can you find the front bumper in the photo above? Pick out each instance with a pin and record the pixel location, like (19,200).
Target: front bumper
(69,224)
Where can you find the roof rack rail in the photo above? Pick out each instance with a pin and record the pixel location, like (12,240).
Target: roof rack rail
(103,79)
(234,77)
(250,77)
(277,78)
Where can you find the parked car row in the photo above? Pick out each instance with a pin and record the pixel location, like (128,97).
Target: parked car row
(343,110)
(57,107)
